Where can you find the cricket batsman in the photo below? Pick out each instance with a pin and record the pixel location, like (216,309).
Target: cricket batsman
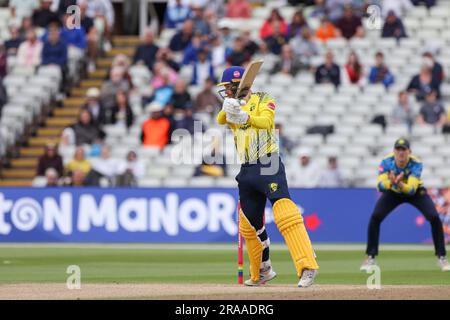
(399,180)
(262,176)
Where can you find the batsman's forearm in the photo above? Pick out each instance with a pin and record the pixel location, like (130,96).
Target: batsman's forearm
(222,117)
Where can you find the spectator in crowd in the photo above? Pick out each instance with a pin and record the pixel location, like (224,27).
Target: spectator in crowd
(130,171)
(165,56)
(155,131)
(297,25)
(267,28)
(50,159)
(122,114)
(163,75)
(432,112)
(277,39)
(74,37)
(335,9)
(250,46)
(61,6)
(353,72)
(399,7)
(238,56)
(403,112)
(285,143)
(146,53)
(329,72)
(30,51)
(190,53)
(163,93)
(227,34)
(22,8)
(393,27)
(92,34)
(14,41)
(181,99)
(349,24)
(182,38)
(213,162)
(207,100)
(331,177)
(54,51)
(104,166)
(94,106)
(238,9)
(103,10)
(305,47)
(79,162)
(25,26)
(423,83)
(319,9)
(427,3)
(182,119)
(43,16)
(3,60)
(327,30)
(437,72)
(201,25)
(202,68)
(218,51)
(176,14)
(446,128)
(306,173)
(380,72)
(288,62)
(3,95)
(52,178)
(111,87)
(77,179)
(86,131)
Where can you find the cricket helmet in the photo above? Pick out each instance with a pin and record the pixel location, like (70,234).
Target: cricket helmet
(231,75)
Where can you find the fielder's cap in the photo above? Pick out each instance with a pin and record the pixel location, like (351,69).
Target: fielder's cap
(402,143)
(232,74)
(93,93)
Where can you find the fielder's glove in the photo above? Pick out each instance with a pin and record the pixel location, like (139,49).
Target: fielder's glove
(240,118)
(231,106)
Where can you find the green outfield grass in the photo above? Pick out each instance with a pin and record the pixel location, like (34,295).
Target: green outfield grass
(205,264)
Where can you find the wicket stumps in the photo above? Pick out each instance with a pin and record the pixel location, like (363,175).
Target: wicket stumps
(240,250)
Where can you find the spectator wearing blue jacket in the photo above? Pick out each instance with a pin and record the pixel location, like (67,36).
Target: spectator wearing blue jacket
(202,68)
(54,50)
(380,72)
(176,14)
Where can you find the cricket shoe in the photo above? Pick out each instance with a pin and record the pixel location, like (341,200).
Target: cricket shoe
(444,264)
(266,274)
(369,262)
(307,279)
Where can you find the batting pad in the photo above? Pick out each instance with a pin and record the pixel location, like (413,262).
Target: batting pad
(254,245)
(290,223)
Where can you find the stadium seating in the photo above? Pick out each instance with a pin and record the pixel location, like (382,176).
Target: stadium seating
(356,141)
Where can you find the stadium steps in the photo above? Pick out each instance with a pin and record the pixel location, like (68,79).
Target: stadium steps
(21,171)
(24,163)
(15,183)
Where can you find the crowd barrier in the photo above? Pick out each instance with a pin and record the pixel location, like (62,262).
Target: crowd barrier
(192,215)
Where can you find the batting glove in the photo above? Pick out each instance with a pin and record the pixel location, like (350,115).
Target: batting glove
(231,106)
(240,118)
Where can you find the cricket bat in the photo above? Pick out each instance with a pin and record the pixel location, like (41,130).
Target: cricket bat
(248,78)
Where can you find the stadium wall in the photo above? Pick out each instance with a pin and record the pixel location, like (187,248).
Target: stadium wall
(188,215)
